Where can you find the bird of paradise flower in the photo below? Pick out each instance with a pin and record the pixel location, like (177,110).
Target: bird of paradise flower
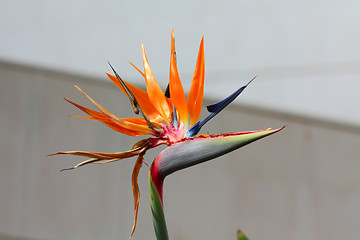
(173,120)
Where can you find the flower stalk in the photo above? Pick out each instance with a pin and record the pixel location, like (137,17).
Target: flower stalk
(157,210)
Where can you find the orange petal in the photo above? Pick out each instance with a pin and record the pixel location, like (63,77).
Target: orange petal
(112,121)
(117,120)
(177,94)
(142,98)
(135,188)
(156,95)
(196,93)
(102,118)
(167,99)
(114,126)
(137,69)
(141,121)
(90,112)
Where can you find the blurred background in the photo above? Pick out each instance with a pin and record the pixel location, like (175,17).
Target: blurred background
(302,183)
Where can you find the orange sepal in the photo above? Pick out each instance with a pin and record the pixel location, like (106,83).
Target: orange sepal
(114,122)
(196,93)
(105,120)
(177,94)
(137,69)
(142,98)
(156,95)
(141,121)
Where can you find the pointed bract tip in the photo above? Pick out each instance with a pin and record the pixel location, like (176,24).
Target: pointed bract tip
(65,169)
(251,81)
(78,88)
(111,66)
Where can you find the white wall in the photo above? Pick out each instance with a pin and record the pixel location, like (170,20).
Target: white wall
(306,53)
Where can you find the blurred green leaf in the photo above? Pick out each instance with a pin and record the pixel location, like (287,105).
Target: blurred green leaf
(241,235)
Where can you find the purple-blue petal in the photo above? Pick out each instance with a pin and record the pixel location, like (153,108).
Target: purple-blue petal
(214,109)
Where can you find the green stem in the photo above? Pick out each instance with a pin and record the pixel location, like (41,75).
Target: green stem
(157,212)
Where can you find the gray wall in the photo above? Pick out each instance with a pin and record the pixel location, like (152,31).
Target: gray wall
(302,183)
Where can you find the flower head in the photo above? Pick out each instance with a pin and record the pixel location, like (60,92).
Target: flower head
(171,118)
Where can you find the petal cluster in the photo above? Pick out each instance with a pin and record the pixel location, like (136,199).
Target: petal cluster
(170,117)
(165,117)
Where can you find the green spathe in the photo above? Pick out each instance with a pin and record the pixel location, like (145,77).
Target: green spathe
(187,153)
(201,149)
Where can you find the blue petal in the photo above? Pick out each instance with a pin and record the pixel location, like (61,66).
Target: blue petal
(193,130)
(217,107)
(214,109)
